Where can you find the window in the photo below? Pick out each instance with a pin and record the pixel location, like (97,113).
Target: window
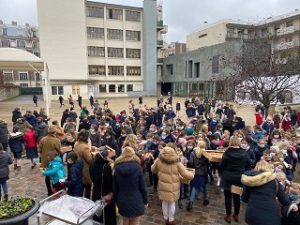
(133,35)
(277,27)
(95,12)
(97,70)
(95,32)
(57,90)
(23,85)
(37,77)
(114,34)
(197,69)
(133,53)
(5,43)
(111,88)
(133,16)
(4,31)
(264,32)
(201,87)
(23,76)
(75,89)
(115,14)
(190,69)
(96,51)
(102,88)
(116,71)
(202,35)
(115,52)
(129,87)
(20,44)
(133,71)
(121,88)
(215,64)
(8,76)
(289,24)
(170,69)
(230,30)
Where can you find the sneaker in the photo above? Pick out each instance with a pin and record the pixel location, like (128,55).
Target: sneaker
(205,202)
(33,165)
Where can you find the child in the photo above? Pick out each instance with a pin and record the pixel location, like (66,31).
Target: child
(5,161)
(31,146)
(16,146)
(177,109)
(56,172)
(74,181)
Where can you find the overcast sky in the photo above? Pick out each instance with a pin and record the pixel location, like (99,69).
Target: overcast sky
(182,16)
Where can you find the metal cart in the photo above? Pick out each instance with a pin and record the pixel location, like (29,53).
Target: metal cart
(60,209)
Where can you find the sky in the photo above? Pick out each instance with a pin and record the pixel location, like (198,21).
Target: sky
(181,16)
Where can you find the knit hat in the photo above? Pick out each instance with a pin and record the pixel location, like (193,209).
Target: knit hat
(189,131)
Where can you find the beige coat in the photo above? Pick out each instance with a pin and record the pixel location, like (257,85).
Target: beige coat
(82,150)
(47,144)
(170,172)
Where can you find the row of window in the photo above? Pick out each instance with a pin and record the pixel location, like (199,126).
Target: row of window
(8,76)
(114,70)
(7,43)
(114,52)
(114,14)
(113,34)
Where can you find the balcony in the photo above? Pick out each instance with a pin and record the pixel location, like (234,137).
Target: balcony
(284,45)
(285,30)
(160,43)
(160,25)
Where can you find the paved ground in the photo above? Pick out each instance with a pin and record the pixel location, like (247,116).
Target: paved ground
(31,183)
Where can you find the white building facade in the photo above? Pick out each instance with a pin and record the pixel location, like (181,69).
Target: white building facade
(98,49)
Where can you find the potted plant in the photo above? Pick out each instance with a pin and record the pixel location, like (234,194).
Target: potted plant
(16,211)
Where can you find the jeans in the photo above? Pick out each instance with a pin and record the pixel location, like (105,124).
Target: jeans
(195,190)
(168,210)
(4,188)
(228,202)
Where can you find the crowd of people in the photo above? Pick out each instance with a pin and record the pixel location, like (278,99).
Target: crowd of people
(99,154)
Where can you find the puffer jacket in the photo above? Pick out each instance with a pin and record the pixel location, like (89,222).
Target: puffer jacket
(170,172)
(41,130)
(74,184)
(29,139)
(55,170)
(3,132)
(198,160)
(5,161)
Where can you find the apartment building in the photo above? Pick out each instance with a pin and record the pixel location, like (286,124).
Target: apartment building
(24,37)
(100,49)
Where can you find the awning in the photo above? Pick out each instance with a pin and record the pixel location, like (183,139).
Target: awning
(17,59)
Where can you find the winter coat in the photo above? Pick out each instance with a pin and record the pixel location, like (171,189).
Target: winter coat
(55,170)
(286,125)
(255,137)
(169,139)
(177,106)
(41,130)
(129,188)
(258,118)
(5,161)
(190,111)
(22,125)
(16,145)
(74,184)
(199,162)
(29,139)
(69,127)
(171,172)
(16,115)
(96,139)
(260,192)
(233,165)
(170,114)
(47,144)
(64,117)
(82,151)
(3,133)
(268,127)
(31,119)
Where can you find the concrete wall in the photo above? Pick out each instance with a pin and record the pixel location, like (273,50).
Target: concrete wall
(62,29)
(213,35)
(149,46)
(9,92)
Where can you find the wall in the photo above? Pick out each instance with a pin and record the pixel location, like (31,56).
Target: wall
(9,92)
(215,34)
(62,30)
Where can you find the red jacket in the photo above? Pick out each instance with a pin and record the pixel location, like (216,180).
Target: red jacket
(29,139)
(286,125)
(259,118)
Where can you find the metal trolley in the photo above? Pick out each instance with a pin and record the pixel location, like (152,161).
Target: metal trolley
(50,215)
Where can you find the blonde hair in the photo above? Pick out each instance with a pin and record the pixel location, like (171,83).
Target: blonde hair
(280,176)
(263,166)
(130,141)
(202,144)
(295,186)
(234,141)
(127,155)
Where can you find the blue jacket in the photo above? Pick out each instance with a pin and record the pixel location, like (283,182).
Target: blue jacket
(170,114)
(255,137)
(31,119)
(55,170)
(74,184)
(129,189)
(268,128)
(16,144)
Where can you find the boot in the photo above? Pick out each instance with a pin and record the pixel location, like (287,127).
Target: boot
(179,204)
(5,197)
(236,217)
(227,218)
(189,206)
(205,202)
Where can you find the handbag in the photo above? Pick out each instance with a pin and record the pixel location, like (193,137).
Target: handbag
(236,190)
(109,197)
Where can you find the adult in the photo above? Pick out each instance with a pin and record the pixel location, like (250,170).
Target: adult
(171,172)
(233,164)
(3,134)
(260,192)
(60,134)
(35,100)
(48,144)
(83,152)
(64,117)
(71,101)
(5,161)
(130,191)
(101,175)
(16,114)
(61,101)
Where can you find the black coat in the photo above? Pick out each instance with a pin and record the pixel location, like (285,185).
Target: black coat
(16,146)
(16,115)
(3,133)
(130,189)
(74,183)
(262,207)
(233,165)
